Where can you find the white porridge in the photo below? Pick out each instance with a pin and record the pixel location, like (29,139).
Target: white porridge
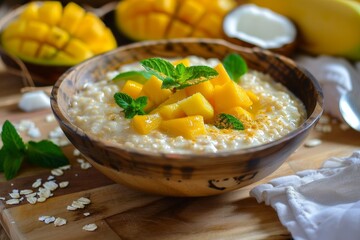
(277,113)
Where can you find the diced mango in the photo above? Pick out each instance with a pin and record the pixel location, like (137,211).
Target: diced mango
(47,51)
(132,88)
(171,111)
(177,96)
(166,6)
(149,106)
(57,37)
(157,24)
(205,88)
(40,28)
(184,61)
(223,76)
(152,89)
(191,11)
(144,124)
(188,127)
(31,12)
(197,104)
(72,16)
(179,29)
(239,113)
(230,95)
(78,49)
(29,47)
(253,97)
(50,12)
(211,23)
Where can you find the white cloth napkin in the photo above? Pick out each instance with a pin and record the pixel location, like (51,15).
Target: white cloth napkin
(321,204)
(335,76)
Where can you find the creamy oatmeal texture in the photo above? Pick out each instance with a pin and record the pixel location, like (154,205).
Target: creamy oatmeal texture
(280,112)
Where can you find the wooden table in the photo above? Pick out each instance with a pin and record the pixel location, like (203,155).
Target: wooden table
(122,213)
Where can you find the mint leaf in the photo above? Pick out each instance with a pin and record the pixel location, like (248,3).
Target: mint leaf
(235,66)
(130,106)
(228,121)
(11,138)
(2,159)
(137,76)
(196,74)
(11,162)
(159,67)
(45,154)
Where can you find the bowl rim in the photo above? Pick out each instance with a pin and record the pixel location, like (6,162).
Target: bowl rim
(308,123)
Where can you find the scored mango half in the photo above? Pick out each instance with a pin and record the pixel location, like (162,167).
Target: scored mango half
(157,19)
(47,33)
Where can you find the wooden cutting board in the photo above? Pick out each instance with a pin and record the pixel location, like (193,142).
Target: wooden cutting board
(122,213)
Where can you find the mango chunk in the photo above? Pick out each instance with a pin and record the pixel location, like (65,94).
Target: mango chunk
(191,11)
(144,124)
(72,16)
(132,88)
(40,28)
(189,127)
(240,113)
(158,23)
(253,97)
(197,104)
(171,111)
(152,89)
(176,97)
(205,88)
(50,12)
(230,95)
(57,37)
(223,76)
(179,29)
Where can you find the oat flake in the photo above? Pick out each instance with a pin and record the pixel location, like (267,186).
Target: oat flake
(13,201)
(90,227)
(63,184)
(59,222)
(84,200)
(57,172)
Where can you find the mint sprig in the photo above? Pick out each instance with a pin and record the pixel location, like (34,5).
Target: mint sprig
(180,76)
(235,66)
(130,106)
(14,152)
(228,121)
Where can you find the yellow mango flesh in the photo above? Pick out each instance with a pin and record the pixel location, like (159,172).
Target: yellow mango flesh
(152,89)
(222,76)
(144,124)
(72,33)
(240,113)
(230,95)
(188,127)
(132,88)
(171,111)
(197,104)
(155,19)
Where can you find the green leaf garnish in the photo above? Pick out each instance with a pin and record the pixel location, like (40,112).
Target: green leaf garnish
(235,66)
(228,121)
(130,106)
(137,76)
(179,76)
(14,152)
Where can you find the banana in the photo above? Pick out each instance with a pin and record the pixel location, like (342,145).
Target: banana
(330,27)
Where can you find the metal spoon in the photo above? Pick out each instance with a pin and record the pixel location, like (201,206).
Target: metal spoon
(349,105)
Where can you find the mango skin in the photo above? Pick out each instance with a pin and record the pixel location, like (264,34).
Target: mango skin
(49,34)
(157,19)
(325,27)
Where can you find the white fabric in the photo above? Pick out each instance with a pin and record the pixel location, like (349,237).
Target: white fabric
(321,204)
(335,76)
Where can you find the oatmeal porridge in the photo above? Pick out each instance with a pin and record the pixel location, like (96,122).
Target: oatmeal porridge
(272,113)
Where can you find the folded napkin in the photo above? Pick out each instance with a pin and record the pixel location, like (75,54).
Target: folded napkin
(318,204)
(335,76)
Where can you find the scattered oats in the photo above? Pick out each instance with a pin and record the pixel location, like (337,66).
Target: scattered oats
(14,195)
(344,126)
(50,118)
(41,199)
(51,177)
(26,191)
(77,204)
(57,172)
(42,218)
(71,208)
(85,165)
(34,132)
(64,184)
(86,214)
(44,192)
(65,167)
(56,133)
(76,152)
(25,125)
(51,185)
(80,160)
(31,194)
(59,222)
(15,191)
(84,200)
(37,183)
(31,200)
(90,227)
(49,220)
(2,198)
(13,201)
(313,142)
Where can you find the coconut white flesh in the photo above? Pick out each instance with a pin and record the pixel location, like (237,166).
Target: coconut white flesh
(259,26)
(32,101)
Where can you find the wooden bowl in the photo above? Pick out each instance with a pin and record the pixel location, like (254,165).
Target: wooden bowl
(186,174)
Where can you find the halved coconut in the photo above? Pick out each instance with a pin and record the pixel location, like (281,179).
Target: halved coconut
(250,25)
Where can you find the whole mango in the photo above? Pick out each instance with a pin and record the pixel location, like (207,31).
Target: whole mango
(157,19)
(47,33)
